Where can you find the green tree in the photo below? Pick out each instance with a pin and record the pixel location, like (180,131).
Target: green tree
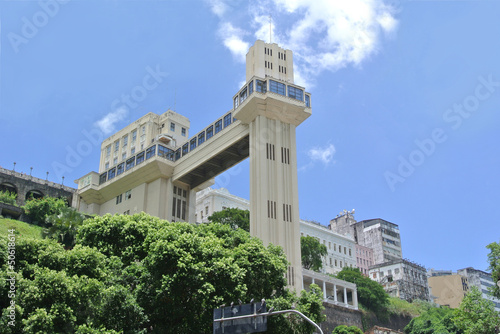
(312,252)
(38,209)
(370,293)
(7,197)
(236,218)
(434,320)
(476,315)
(343,329)
(494,261)
(63,226)
(309,303)
(119,235)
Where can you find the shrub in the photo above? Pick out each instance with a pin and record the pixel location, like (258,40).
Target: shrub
(8,198)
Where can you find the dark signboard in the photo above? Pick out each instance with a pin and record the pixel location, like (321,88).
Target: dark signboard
(240,326)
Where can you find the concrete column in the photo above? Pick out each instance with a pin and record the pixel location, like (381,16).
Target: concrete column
(191,206)
(355,298)
(335,293)
(324,290)
(345,296)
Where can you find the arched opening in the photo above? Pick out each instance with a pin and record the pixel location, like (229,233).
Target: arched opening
(33,194)
(8,187)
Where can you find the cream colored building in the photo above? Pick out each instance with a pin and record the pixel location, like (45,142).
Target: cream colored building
(153,165)
(448,290)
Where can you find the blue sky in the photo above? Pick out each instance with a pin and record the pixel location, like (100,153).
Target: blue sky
(405,95)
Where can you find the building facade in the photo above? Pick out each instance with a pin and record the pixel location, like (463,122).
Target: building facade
(212,200)
(402,279)
(447,288)
(483,281)
(152,166)
(341,249)
(381,236)
(364,258)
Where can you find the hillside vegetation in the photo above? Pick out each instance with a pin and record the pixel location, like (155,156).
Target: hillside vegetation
(22,230)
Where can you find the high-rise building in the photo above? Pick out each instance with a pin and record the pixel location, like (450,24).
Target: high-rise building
(381,236)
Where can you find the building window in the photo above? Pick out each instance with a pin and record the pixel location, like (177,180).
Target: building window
(218,126)
(185,149)
(132,150)
(125,141)
(261,86)
(108,150)
(111,173)
(130,163)
(119,199)
(102,178)
(201,138)
(115,161)
(124,156)
(150,152)
(210,131)
(128,194)
(134,136)
(277,87)
(140,158)
(227,120)
(192,144)
(165,152)
(206,210)
(350,252)
(243,95)
(308,101)
(117,145)
(120,168)
(295,93)
(106,166)
(236,102)
(250,88)
(172,127)
(183,132)
(178,154)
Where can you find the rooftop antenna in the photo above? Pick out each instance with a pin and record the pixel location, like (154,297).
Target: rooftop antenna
(270,29)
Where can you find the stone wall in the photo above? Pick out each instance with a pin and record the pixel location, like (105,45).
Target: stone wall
(336,316)
(24,184)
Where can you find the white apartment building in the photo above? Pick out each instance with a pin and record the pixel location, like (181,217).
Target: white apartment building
(212,200)
(341,248)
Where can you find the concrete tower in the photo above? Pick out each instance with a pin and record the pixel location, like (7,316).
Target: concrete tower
(273,107)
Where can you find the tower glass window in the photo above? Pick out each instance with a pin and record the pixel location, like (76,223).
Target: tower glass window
(277,87)
(218,126)
(172,127)
(295,93)
(185,149)
(201,138)
(261,86)
(192,144)
(210,131)
(150,152)
(183,132)
(227,120)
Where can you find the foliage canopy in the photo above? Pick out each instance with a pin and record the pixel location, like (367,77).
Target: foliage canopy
(234,217)
(312,252)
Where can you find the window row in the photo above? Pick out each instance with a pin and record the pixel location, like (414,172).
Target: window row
(125,140)
(128,195)
(275,87)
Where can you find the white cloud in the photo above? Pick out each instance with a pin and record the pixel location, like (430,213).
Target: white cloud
(324,35)
(322,154)
(107,123)
(218,7)
(233,40)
